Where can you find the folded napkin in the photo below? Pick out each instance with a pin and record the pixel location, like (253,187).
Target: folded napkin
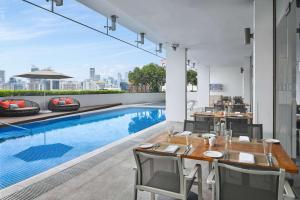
(237,113)
(246,157)
(186,133)
(244,139)
(171,149)
(209,111)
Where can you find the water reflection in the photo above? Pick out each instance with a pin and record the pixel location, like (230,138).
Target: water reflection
(145,119)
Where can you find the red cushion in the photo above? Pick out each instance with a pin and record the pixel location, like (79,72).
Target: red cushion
(4,104)
(12,102)
(55,101)
(21,103)
(69,101)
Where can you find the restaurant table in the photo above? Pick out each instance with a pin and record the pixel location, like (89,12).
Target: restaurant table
(221,115)
(280,158)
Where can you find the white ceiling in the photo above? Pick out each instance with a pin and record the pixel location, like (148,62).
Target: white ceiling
(212,30)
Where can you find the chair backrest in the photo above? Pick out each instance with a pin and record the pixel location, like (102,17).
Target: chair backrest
(219,107)
(238,126)
(234,182)
(239,108)
(209,109)
(202,126)
(207,119)
(153,168)
(238,100)
(255,131)
(188,125)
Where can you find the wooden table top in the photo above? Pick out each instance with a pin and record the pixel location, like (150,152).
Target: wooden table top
(199,147)
(221,115)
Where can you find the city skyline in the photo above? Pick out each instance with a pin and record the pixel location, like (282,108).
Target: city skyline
(30,36)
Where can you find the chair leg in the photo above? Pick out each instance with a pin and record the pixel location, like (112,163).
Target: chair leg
(213,192)
(134,187)
(135,194)
(152,196)
(200,195)
(210,167)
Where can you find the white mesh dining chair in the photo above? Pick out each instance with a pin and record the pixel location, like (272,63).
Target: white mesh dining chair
(233,182)
(163,174)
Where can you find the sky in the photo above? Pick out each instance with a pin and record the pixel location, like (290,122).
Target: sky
(30,36)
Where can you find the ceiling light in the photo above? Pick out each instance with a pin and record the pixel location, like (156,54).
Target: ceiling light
(248,36)
(113,25)
(113,21)
(188,62)
(159,50)
(142,38)
(57,2)
(175,46)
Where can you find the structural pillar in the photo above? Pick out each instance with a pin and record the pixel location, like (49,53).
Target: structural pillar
(203,77)
(263,66)
(176,85)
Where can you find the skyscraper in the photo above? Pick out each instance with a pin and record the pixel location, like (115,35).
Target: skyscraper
(119,77)
(2,76)
(92,73)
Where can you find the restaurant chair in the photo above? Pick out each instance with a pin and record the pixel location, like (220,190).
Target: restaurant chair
(211,109)
(163,174)
(234,182)
(188,125)
(238,126)
(255,131)
(219,107)
(239,108)
(196,126)
(202,127)
(209,119)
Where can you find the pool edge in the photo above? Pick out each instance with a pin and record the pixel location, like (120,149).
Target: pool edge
(34,179)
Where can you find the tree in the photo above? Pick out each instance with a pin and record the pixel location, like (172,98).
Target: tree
(150,75)
(192,78)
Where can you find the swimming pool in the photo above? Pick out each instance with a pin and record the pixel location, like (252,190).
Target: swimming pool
(49,143)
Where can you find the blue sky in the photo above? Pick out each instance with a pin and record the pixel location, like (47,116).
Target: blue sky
(30,36)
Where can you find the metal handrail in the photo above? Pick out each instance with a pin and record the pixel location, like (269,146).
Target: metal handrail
(15,126)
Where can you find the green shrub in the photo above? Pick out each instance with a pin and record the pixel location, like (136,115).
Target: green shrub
(8,93)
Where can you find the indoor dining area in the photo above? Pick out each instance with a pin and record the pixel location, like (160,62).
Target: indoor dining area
(219,149)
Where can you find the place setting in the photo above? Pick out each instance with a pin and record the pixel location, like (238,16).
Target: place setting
(167,148)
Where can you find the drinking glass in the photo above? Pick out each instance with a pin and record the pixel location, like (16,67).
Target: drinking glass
(226,137)
(228,133)
(188,139)
(267,147)
(170,133)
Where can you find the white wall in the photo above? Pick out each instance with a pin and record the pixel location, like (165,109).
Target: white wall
(100,99)
(230,77)
(176,85)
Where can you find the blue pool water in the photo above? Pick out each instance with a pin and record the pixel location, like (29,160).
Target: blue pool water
(24,154)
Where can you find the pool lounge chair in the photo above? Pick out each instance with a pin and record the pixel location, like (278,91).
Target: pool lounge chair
(18,107)
(61,104)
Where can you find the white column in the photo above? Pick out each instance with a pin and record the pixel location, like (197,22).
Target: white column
(246,85)
(203,77)
(263,65)
(176,85)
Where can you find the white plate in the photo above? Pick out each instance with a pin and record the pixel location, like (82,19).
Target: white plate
(146,146)
(275,141)
(213,154)
(208,135)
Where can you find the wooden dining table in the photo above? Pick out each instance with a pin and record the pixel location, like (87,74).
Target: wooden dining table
(221,115)
(280,158)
